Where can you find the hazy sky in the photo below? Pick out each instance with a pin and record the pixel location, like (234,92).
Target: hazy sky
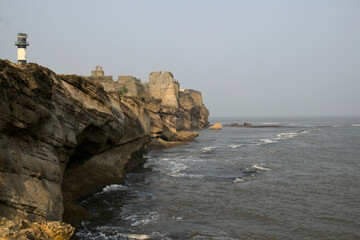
(248,58)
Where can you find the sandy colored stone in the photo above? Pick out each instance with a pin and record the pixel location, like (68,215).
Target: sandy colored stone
(63,137)
(24,229)
(216,126)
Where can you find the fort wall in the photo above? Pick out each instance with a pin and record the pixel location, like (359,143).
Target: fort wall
(161,85)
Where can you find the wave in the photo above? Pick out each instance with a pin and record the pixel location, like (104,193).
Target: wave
(259,167)
(239,180)
(166,166)
(356,125)
(152,217)
(113,187)
(178,175)
(207,149)
(110,232)
(267,140)
(281,136)
(237,146)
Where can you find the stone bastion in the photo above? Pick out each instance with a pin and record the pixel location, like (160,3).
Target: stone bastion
(161,85)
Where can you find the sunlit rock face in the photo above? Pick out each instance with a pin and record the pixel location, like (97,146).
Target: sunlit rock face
(63,137)
(48,123)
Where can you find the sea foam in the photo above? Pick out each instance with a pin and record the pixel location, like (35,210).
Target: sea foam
(152,217)
(237,146)
(356,125)
(286,135)
(207,149)
(238,180)
(260,167)
(113,187)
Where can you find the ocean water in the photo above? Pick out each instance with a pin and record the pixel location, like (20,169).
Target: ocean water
(300,180)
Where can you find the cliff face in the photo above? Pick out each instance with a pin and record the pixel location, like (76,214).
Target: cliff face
(63,137)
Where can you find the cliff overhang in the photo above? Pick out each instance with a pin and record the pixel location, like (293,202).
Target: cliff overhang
(63,137)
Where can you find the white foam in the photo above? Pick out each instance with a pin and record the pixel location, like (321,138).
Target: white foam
(356,125)
(260,167)
(266,140)
(178,175)
(286,135)
(178,219)
(207,149)
(304,132)
(152,217)
(113,187)
(237,146)
(238,180)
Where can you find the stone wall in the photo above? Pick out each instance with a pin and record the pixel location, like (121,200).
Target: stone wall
(98,72)
(164,87)
(134,87)
(161,85)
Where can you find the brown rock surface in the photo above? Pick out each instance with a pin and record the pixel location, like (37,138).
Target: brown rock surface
(24,229)
(216,126)
(63,137)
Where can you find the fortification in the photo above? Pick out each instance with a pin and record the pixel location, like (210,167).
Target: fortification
(98,72)
(98,75)
(131,84)
(164,87)
(161,85)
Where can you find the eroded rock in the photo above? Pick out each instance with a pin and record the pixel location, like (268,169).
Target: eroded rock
(23,229)
(63,137)
(216,126)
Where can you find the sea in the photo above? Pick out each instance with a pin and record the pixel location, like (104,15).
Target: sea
(289,178)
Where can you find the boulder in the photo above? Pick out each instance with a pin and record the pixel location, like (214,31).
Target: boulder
(216,126)
(186,136)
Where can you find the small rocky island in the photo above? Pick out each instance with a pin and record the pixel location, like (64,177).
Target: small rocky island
(64,137)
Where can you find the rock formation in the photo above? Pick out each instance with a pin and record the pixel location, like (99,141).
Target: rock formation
(23,229)
(63,137)
(216,126)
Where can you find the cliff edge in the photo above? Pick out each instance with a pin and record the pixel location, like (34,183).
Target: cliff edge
(63,137)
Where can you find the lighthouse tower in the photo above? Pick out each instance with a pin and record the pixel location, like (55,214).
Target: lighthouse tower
(21,43)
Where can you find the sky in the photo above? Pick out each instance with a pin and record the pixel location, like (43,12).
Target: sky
(256,58)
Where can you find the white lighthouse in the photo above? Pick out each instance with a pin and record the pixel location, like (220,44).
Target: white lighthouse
(21,43)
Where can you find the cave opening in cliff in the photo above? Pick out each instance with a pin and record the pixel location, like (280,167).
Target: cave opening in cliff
(90,142)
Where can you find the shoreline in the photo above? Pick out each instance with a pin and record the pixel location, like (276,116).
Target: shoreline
(66,138)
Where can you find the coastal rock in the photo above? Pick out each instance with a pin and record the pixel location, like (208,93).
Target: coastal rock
(216,126)
(160,143)
(24,229)
(247,124)
(63,137)
(185,136)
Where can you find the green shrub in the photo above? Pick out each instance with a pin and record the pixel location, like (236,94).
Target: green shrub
(123,90)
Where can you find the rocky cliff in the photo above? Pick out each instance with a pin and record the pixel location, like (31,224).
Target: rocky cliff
(63,137)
